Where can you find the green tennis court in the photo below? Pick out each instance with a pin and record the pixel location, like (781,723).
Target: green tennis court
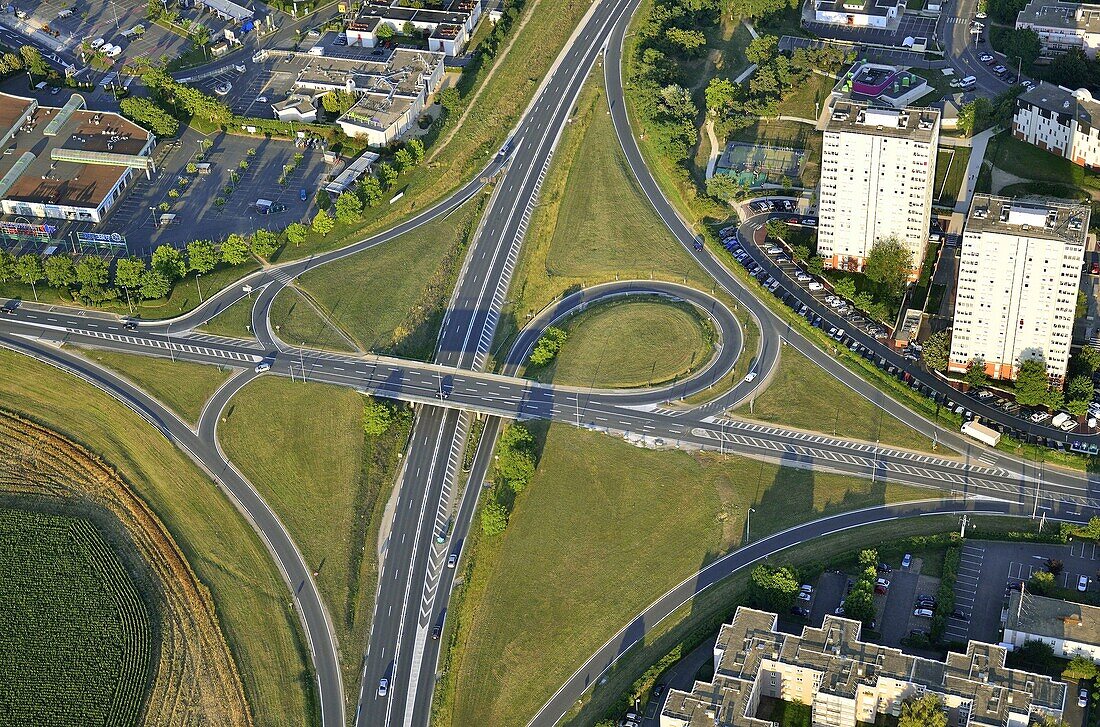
(756,164)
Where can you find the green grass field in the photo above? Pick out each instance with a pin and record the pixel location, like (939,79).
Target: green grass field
(1030,162)
(390,298)
(300,322)
(803,395)
(182,386)
(806,99)
(78,641)
(652,517)
(303,447)
(950,171)
(630,343)
(253,606)
(235,321)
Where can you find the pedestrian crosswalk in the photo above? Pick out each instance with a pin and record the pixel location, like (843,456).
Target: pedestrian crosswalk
(163,344)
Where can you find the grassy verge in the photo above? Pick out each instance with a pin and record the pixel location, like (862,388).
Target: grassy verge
(181,386)
(805,396)
(298,320)
(701,617)
(390,298)
(328,481)
(1030,162)
(249,594)
(544,581)
(652,343)
(806,100)
(951,165)
(235,321)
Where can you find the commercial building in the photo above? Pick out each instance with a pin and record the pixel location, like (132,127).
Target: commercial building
(847,681)
(295,107)
(1061,25)
(67,163)
(880,84)
(1071,629)
(859,13)
(391,91)
(1060,121)
(1019,272)
(878,166)
(448,26)
(227,10)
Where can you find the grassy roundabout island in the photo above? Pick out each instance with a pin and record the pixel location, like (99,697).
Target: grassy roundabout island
(655,342)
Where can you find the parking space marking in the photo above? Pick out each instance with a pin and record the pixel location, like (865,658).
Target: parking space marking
(966,590)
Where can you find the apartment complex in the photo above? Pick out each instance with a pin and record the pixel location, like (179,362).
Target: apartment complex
(67,163)
(1017,288)
(392,89)
(448,25)
(847,681)
(1071,629)
(878,166)
(1060,121)
(1061,26)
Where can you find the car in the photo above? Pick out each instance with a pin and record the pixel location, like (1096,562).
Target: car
(6,310)
(303,194)
(922,612)
(262,367)
(1094,269)
(839,610)
(882,582)
(918,633)
(1069,425)
(986,58)
(383,686)
(658,690)
(802,277)
(1010,79)
(1016,585)
(999,69)
(261,99)
(806,588)
(128,325)
(799,611)
(1039,416)
(54,90)
(980,15)
(960,614)
(436,631)
(792,220)
(1083,697)
(452,560)
(223,88)
(881,590)
(815,286)
(906,560)
(809,221)
(97,43)
(1083,583)
(1028,85)
(803,596)
(728,231)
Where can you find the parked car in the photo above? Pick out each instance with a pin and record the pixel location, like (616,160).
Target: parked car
(800,611)
(1083,583)
(999,69)
(303,194)
(1083,697)
(922,612)
(906,560)
(814,285)
(985,57)
(882,582)
(803,596)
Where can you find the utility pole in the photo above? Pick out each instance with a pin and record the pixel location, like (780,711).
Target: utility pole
(962,530)
(748,523)
(199,287)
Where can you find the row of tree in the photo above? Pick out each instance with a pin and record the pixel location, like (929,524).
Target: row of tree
(515,465)
(29,58)
(551,341)
(183,101)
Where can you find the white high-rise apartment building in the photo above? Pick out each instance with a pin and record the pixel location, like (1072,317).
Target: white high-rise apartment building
(1018,279)
(878,167)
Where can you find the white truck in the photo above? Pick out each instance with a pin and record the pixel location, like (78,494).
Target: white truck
(981,432)
(1059,419)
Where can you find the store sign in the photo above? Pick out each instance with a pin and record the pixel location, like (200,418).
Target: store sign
(95,238)
(26,229)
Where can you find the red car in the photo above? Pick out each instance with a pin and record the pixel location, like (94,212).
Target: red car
(1095,269)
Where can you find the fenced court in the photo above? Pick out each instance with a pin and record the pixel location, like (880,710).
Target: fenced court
(754,165)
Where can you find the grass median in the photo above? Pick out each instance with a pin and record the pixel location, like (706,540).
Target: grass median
(304,448)
(253,605)
(653,518)
(182,386)
(630,343)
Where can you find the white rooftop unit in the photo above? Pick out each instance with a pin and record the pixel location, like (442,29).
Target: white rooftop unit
(881,117)
(1024,215)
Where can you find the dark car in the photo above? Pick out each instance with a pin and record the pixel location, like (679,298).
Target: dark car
(960,614)
(919,633)
(302,194)
(658,690)
(883,567)
(436,631)
(130,326)
(799,611)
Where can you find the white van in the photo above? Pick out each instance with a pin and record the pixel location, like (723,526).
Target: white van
(65,13)
(968,83)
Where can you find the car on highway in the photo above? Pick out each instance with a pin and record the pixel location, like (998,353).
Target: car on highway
(1083,583)
(750,376)
(262,367)
(129,325)
(383,686)
(452,560)
(436,631)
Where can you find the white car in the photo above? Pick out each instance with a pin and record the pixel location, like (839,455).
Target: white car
(114,52)
(452,560)
(807,588)
(383,686)
(261,99)
(223,88)
(803,596)
(262,367)
(980,15)
(96,43)
(803,278)
(815,286)
(750,376)
(923,612)
(1083,583)
(1068,425)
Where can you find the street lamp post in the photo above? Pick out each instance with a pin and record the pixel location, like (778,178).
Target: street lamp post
(748,523)
(199,287)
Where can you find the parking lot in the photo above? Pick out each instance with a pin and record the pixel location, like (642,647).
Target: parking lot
(272,79)
(910,26)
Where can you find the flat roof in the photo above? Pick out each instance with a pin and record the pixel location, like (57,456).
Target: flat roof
(402,69)
(72,183)
(377,111)
(1036,217)
(1054,618)
(858,117)
(1066,103)
(12,109)
(859,7)
(1053,14)
(225,7)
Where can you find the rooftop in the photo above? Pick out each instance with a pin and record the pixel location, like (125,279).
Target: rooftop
(377,111)
(861,7)
(1054,618)
(12,109)
(856,117)
(845,663)
(401,70)
(1053,14)
(1039,218)
(405,13)
(62,171)
(1061,100)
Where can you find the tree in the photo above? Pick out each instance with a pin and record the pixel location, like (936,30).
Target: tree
(889,264)
(201,256)
(845,288)
(387,175)
(1020,45)
(60,271)
(128,272)
(1041,583)
(974,116)
(762,50)
(338,102)
(1032,383)
(92,271)
(860,603)
(264,243)
(384,31)
(370,190)
(494,517)
(773,588)
(975,373)
(720,95)
(154,284)
(925,711)
(516,459)
(724,188)
(403,160)
(143,111)
(1086,360)
(33,61)
(169,262)
(691,42)
(1079,392)
(378,417)
(7,267)
(296,233)
(348,207)
(235,250)
(30,270)
(936,351)
(548,346)
(322,223)
(1080,667)
(416,151)
(408,29)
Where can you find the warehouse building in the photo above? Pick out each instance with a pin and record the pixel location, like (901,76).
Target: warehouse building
(859,13)
(67,163)
(848,682)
